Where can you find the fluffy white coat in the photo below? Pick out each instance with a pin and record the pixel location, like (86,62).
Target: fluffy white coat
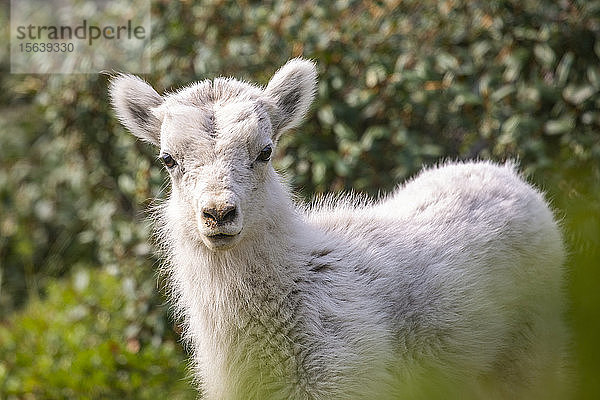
(449,287)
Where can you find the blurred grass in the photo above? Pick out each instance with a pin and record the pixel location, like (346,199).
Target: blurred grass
(402,84)
(584,311)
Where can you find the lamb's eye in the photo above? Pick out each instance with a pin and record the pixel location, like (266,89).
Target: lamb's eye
(168,160)
(265,154)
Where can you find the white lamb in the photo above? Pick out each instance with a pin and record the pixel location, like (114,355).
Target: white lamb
(450,287)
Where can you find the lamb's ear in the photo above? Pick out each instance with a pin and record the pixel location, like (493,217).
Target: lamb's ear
(132,100)
(291,91)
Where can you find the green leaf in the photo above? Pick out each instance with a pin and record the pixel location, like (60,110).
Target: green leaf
(564,68)
(559,126)
(577,95)
(544,53)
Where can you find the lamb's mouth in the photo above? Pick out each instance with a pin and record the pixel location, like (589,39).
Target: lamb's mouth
(221,240)
(220,236)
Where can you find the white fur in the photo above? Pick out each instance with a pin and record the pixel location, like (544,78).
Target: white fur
(450,287)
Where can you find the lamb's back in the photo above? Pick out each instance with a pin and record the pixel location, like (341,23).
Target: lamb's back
(458,206)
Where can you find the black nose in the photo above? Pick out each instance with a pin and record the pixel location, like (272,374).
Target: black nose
(221,215)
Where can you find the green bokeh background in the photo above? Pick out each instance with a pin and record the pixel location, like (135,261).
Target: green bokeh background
(402,84)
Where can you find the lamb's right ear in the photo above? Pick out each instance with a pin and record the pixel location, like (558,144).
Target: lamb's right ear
(132,100)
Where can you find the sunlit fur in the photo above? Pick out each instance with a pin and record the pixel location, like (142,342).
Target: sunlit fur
(449,287)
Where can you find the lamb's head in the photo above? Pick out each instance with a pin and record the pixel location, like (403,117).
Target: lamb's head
(216,139)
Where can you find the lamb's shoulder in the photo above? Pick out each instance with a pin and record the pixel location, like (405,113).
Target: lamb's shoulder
(341,215)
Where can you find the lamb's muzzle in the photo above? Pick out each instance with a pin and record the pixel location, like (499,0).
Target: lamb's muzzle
(220,225)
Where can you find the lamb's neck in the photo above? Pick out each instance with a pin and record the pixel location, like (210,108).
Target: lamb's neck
(265,264)
(243,302)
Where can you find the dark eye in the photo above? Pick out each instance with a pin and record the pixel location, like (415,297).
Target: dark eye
(265,154)
(168,160)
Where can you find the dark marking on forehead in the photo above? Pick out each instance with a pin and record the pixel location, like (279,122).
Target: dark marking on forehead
(208,95)
(212,125)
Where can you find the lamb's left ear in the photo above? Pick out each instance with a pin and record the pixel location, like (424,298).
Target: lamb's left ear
(132,100)
(291,91)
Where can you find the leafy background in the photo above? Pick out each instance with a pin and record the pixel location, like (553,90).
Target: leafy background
(402,84)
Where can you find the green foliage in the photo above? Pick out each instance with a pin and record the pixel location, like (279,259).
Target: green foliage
(93,336)
(402,84)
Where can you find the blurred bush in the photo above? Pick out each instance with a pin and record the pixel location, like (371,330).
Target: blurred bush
(93,337)
(402,84)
